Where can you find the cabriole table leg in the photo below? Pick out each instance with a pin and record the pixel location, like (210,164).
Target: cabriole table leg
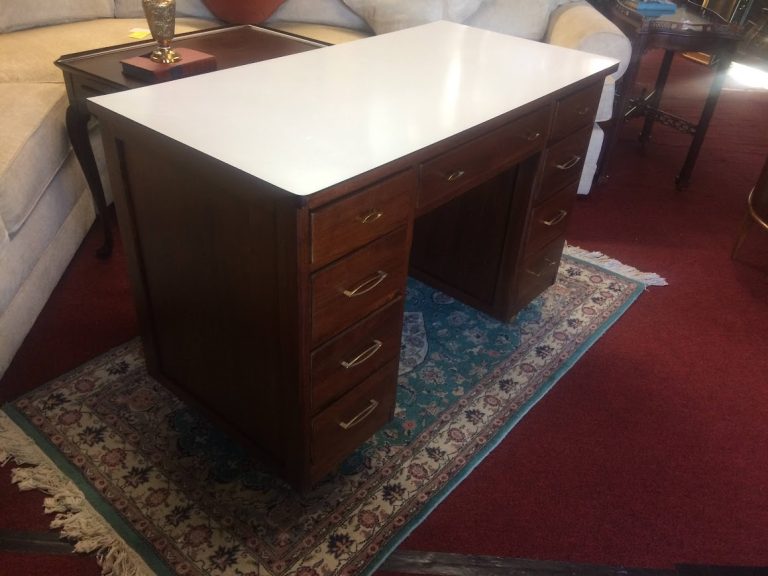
(77,128)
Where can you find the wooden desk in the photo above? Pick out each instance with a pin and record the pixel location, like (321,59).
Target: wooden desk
(269,212)
(689,29)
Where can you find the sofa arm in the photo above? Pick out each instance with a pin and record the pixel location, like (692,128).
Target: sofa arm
(580,26)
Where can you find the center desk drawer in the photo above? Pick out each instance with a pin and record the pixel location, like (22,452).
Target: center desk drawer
(467,165)
(351,222)
(358,284)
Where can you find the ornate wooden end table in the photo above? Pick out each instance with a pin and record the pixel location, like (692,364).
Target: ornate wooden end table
(99,71)
(690,29)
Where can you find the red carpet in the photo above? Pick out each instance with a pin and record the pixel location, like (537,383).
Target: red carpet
(651,451)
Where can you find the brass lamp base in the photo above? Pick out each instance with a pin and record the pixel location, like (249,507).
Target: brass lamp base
(164,56)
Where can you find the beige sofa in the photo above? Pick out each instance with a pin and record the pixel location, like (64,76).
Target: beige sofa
(45,208)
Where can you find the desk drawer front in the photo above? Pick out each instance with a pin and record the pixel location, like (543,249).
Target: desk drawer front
(564,162)
(539,271)
(354,221)
(576,110)
(352,419)
(467,165)
(549,219)
(356,353)
(355,286)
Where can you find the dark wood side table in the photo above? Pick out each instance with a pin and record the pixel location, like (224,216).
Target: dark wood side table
(689,29)
(99,71)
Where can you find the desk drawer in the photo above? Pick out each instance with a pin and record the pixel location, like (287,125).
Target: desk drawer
(550,218)
(352,222)
(564,162)
(352,419)
(577,110)
(469,164)
(539,271)
(355,286)
(355,354)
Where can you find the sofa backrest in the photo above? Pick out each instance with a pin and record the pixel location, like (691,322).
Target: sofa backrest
(21,14)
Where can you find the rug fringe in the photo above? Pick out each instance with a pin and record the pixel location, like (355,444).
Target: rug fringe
(75,518)
(600,259)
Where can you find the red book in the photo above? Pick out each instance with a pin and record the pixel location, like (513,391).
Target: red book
(192,62)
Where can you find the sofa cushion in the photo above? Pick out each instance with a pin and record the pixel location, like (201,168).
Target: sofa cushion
(522,18)
(578,25)
(33,147)
(326,12)
(19,14)
(133,9)
(29,55)
(390,15)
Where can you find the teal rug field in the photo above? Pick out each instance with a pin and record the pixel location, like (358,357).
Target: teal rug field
(153,488)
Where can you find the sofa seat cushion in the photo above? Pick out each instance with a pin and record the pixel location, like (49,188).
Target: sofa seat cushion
(33,146)
(321,32)
(29,55)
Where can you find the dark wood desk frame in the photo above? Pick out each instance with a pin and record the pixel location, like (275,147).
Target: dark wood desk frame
(299,328)
(716,37)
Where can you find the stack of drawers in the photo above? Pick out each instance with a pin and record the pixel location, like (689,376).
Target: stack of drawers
(359,261)
(552,202)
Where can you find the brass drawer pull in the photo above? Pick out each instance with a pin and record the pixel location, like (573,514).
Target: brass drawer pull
(556,220)
(371,216)
(366,285)
(533,136)
(363,356)
(362,415)
(538,274)
(570,164)
(453,176)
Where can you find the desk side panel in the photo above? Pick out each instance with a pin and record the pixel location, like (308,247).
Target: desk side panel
(207,251)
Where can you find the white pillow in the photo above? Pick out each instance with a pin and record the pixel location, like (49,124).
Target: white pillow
(390,15)
(20,14)
(325,12)
(522,18)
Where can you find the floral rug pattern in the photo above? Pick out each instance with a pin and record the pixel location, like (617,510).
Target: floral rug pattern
(201,505)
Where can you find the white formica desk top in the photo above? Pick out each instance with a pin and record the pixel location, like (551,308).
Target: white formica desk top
(311,120)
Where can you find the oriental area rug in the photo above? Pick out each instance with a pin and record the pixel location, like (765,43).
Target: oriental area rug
(152,487)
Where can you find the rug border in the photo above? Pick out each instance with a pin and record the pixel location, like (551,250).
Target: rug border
(116,524)
(437,498)
(101,508)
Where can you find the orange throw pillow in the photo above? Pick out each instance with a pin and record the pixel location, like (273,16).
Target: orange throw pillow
(242,11)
